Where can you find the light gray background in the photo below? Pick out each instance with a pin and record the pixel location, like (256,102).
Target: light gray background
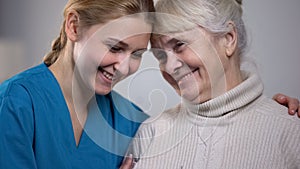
(28,27)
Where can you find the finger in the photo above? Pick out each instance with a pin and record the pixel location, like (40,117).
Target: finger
(293,105)
(127,163)
(281,99)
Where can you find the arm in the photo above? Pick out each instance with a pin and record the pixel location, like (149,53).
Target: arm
(290,102)
(17,130)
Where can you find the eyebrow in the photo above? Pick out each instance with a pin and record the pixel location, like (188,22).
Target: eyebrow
(116,41)
(123,44)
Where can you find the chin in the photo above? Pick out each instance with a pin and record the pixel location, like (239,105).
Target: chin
(190,97)
(190,92)
(102,90)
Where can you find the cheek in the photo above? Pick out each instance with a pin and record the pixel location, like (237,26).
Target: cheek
(170,80)
(87,62)
(96,54)
(104,59)
(134,65)
(201,52)
(191,57)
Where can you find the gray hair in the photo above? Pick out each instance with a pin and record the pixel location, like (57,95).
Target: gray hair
(212,15)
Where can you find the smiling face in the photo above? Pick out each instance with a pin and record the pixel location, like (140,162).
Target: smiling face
(108,53)
(192,63)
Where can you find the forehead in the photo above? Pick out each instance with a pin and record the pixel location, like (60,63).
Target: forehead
(190,36)
(137,41)
(124,28)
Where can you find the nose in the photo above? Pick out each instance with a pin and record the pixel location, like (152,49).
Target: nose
(173,63)
(121,63)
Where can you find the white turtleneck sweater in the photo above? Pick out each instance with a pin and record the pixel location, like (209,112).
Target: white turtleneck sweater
(241,129)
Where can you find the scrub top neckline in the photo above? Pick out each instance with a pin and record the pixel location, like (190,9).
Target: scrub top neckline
(70,124)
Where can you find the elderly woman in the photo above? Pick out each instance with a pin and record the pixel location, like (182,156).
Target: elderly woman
(224,120)
(63,112)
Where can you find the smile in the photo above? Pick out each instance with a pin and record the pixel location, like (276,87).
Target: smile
(187,76)
(106,74)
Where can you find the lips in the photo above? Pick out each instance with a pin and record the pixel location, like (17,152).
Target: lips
(106,74)
(186,76)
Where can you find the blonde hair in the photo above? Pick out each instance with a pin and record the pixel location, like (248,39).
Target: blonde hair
(212,15)
(92,12)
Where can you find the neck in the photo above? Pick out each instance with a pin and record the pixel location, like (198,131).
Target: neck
(236,98)
(72,87)
(227,80)
(233,78)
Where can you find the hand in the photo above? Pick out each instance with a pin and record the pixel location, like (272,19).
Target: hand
(291,103)
(127,163)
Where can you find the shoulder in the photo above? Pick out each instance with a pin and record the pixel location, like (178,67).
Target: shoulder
(153,131)
(274,111)
(24,81)
(160,123)
(123,112)
(14,92)
(126,107)
(118,99)
(283,126)
(19,93)
(165,116)
(16,106)
(272,116)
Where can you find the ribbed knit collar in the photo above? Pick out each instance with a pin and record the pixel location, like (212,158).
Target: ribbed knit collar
(238,97)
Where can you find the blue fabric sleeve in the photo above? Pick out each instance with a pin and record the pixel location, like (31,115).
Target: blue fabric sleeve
(16,129)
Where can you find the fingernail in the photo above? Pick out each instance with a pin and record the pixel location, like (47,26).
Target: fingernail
(281,97)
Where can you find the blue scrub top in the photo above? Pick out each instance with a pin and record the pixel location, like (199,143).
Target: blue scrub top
(36,129)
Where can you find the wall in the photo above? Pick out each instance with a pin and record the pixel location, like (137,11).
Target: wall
(26,32)
(28,28)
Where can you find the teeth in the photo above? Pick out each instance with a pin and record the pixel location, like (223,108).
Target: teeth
(107,75)
(185,77)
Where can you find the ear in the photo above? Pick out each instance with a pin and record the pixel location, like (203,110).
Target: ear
(230,39)
(71,26)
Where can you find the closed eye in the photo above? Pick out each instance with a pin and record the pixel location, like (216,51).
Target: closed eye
(114,46)
(138,54)
(160,55)
(179,46)
(115,49)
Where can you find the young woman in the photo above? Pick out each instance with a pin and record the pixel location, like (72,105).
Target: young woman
(224,121)
(62,113)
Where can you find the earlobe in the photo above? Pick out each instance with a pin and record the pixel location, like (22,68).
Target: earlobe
(71,26)
(231,39)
